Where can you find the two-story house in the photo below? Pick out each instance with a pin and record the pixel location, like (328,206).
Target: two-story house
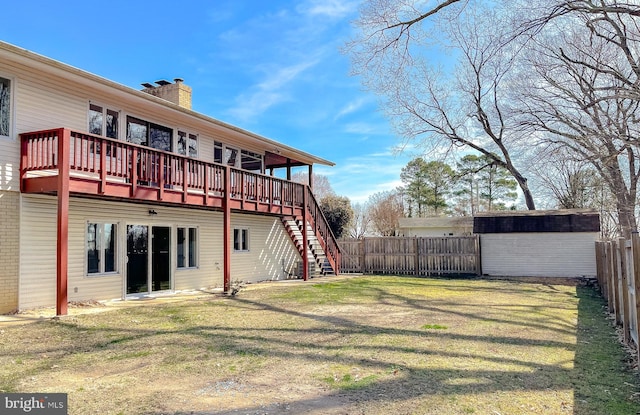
(109,192)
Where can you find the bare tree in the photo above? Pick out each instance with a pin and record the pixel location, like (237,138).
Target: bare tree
(385,209)
(580,93)
(424,103)
(575,184)
(361,221)
(321,186)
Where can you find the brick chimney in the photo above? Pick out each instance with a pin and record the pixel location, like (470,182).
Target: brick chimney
(178,92)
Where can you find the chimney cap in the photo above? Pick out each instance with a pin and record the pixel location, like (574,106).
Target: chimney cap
(163,82)
(147,85)
(178,80)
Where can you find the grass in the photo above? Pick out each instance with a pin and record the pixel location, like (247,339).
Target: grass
(373,345)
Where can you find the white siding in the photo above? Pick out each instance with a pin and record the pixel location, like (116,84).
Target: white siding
(271,250)
(37,252)
(539,254)
(39,103)
(82,211)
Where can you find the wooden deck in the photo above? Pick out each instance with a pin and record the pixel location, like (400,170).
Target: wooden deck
(114,169)
(69,163)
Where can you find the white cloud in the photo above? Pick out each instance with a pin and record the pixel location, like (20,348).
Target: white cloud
(364,128)
(335,9)
(269,92)
(350,108)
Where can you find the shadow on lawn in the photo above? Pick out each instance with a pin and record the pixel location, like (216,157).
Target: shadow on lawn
(603,386)
(594,377)
(595,372)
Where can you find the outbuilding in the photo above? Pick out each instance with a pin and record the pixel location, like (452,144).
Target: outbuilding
(541,243)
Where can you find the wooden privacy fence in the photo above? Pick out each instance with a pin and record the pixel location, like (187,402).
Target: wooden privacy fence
(618,268)
(449,255)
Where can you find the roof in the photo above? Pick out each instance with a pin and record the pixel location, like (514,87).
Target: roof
(436,222)
(542,221)
(552,212)
(64,70)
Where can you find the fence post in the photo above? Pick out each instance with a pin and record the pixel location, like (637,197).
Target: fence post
(416,245)
(615,279)
(605,272)
(363,256)
(601,264)
(635,249)
(625,289)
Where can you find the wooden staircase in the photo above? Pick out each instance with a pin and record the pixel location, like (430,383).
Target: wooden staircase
(322,250)
(318,263)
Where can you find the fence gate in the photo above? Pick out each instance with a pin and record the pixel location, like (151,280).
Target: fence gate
(451,255)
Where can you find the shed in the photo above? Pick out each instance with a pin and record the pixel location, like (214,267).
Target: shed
(541,243)
(435,226)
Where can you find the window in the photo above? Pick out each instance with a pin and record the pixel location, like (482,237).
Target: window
(251,161)
(217,152)
(5,107)
(101,248)
(187,241)
(148,134)
(103,121)
(187,144)
(241,239)
(230,156)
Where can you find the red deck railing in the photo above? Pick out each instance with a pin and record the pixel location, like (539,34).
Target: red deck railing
(117,169)
(113,163)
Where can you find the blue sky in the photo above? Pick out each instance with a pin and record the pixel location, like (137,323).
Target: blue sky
(270,67)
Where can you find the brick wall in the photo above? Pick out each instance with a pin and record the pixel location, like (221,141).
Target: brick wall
(9,250)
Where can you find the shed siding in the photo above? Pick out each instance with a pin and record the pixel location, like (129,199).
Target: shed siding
(271,251)
(539,254)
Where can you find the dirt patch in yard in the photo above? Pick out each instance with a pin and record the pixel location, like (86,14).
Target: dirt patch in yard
(358,345)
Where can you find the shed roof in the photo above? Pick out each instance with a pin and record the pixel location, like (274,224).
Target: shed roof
(543,221)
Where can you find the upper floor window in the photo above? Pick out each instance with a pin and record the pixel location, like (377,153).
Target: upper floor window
(149,134)
(187,144)
(251,161)
(5,107)
(217,152)
(224,154)
(103,121)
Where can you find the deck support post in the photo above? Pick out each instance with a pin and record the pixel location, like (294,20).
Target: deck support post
(226,233)
(62,251)
(305,247)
